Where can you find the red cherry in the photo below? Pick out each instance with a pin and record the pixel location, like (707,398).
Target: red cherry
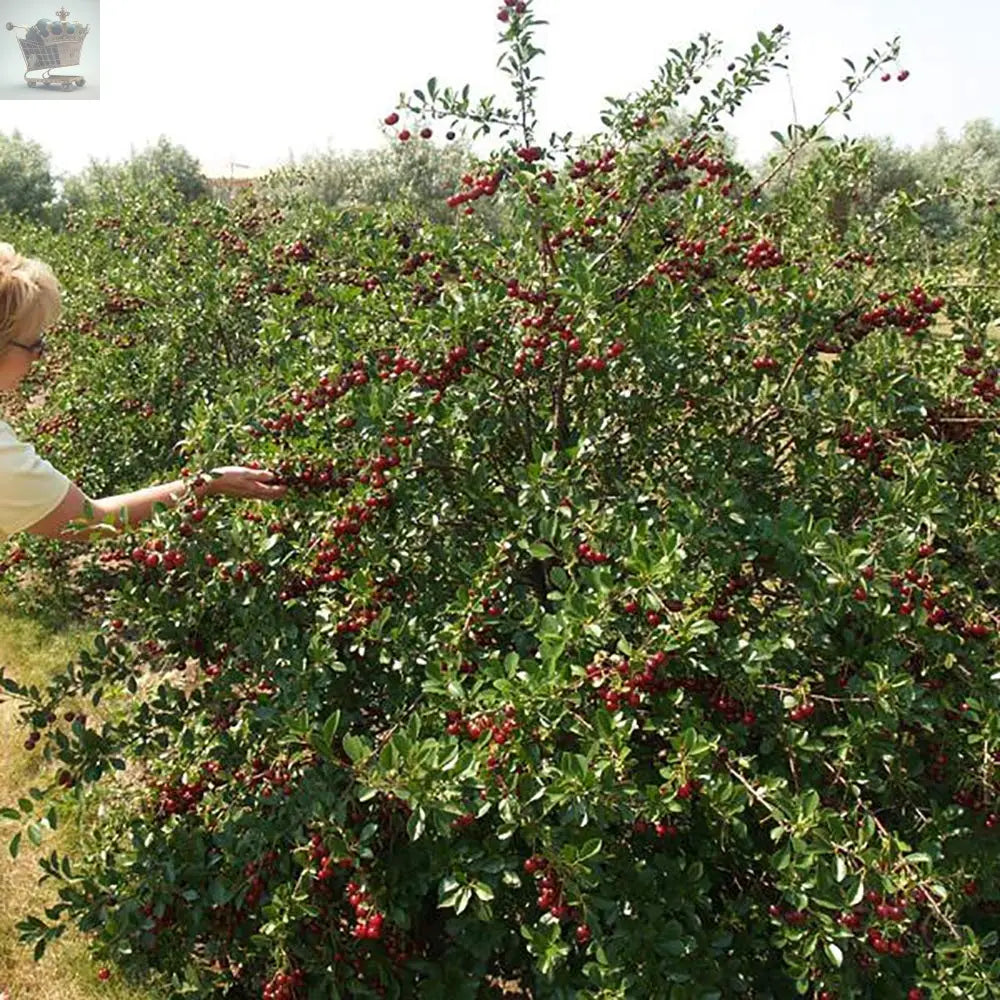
(391,119)
(425,133)
(903,75)
(582,934)
(404,135)
(103,975)
(886,77)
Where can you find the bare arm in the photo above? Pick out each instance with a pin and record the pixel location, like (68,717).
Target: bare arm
(119,511)
(128,509)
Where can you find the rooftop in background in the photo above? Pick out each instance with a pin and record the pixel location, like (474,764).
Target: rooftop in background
(224,188)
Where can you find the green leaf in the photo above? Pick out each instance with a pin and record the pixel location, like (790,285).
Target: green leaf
(833,953)
(330,728)
(35,834)
(15,845)
(540,550)
(356,748)
(416,823)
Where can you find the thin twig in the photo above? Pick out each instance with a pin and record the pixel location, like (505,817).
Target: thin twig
(929,896)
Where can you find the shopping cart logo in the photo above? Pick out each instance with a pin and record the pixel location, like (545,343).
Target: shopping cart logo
(49,45)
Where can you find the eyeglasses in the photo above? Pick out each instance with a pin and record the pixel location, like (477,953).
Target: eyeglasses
(37,348)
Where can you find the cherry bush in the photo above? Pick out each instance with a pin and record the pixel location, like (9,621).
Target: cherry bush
(629,628)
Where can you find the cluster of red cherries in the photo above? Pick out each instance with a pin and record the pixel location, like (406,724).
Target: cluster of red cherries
(282,985)
(517,6)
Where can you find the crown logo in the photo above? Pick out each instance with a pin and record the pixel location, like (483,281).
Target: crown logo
(48,45)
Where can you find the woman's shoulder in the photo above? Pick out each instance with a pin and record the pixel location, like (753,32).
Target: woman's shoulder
(15,450)
(7,433)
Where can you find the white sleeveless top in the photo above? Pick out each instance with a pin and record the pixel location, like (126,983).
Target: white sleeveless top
(30,487)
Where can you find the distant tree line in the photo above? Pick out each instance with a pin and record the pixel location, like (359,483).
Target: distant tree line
(946,178)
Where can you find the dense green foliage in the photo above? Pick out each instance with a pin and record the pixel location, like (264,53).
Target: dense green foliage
(418,177)
(26,184)
(110,184)
(630,627)
(941,179)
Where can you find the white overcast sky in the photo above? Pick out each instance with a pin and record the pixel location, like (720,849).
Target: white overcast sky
(257,83)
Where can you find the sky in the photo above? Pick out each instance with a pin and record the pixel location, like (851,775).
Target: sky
(258,84)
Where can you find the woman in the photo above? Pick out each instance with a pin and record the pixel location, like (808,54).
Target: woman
(34,496)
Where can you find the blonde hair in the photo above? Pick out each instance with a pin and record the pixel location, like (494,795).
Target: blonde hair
(30,297)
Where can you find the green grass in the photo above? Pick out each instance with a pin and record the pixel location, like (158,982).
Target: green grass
(32,652)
